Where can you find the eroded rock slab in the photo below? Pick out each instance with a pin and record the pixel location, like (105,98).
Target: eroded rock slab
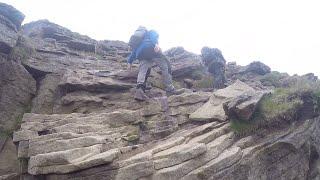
(213,109)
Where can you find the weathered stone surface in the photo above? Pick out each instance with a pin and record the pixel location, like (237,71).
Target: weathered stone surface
(135,171)
(213,109)
(225,160)
(10,21)
(211,135)
(180,170)
(9,163)
(15,16)
(8,36)
(178,155)
(183,62)
(81,46)
(54,145)
(17,87)
(242,107)
(78,80)
(70,160)
(44,101)
(188,98)
(112,136)
(24,135)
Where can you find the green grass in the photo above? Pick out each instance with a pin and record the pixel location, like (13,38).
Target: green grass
(278,108)
(272,79)
(243,128)
(280,102)
(205,82)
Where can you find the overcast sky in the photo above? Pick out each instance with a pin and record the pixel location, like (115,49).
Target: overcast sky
(284,34)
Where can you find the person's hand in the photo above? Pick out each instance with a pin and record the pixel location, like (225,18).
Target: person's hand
(157,48)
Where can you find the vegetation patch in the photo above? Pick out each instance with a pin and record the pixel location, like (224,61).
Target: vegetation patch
(205,82)
(273,79)
(280,108)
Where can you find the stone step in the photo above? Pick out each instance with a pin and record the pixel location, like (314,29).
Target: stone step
(70,160)
(224,160)
(214,148)
(178,154)
(211,135)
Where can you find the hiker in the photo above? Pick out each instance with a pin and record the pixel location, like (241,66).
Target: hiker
(144,46)
(213,59)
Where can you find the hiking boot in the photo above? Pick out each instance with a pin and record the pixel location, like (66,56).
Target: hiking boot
(140,95)
(175,92)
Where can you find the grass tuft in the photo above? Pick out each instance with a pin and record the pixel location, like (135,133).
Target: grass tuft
(205,82)
(280,108)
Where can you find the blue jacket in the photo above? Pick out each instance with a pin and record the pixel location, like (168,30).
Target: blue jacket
(150,40)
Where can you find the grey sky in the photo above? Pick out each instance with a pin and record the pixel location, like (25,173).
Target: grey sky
(284,34)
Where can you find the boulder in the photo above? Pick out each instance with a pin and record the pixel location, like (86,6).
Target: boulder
(258,68)
(213,109)
(183,62)
(243,107)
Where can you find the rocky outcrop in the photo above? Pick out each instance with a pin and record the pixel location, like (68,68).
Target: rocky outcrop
(183,62)
(17,87)
(236,101)
(81,122)
(209,151)
(16,90)
(10,21)
(250,74)
(82,141)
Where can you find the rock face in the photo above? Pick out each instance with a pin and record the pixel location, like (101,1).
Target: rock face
(10,21)
(17,87)
(209,151)
(183,63)
(238,100)
(80,120)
